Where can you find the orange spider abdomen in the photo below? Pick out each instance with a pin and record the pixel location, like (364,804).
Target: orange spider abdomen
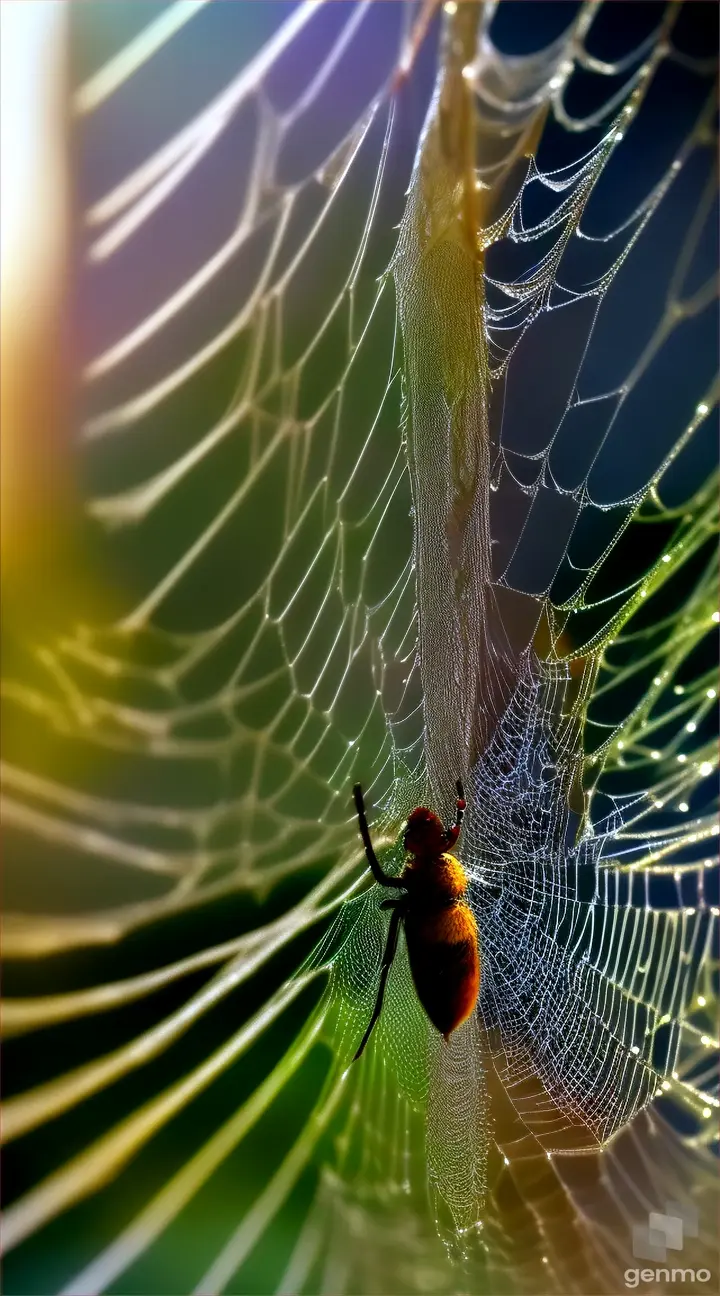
(443,947)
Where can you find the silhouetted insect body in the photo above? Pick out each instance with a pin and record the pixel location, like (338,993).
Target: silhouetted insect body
(440,928)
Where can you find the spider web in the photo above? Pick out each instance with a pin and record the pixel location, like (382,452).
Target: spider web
(377,504)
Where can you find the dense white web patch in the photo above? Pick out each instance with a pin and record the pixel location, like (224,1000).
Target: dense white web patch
(265,409)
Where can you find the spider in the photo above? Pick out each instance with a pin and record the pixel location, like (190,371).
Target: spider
(440,928)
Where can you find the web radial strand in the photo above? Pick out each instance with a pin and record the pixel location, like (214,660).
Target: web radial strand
(399,396)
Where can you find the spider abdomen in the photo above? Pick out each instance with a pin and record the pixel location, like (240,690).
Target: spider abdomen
(445,964)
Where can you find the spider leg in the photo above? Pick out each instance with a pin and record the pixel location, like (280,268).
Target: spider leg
(378,873)
(453,833)
(388,956)
(417,36)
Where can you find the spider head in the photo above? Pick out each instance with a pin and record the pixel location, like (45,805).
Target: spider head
(424,835)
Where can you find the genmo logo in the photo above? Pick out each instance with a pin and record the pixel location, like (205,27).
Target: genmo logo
(663,1233)
(633,1277)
